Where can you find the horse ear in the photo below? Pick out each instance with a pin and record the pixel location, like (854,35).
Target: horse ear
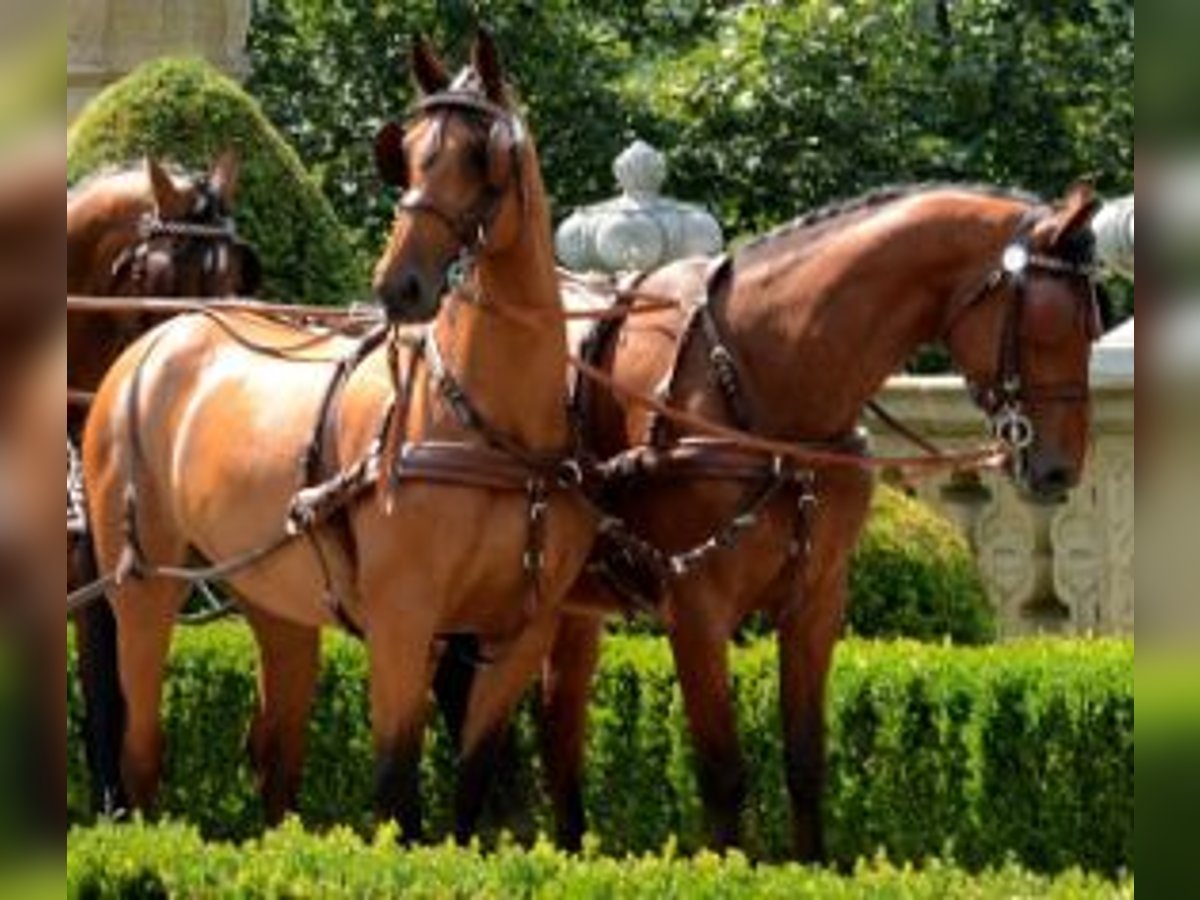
(427,67)
(1078,208)
(390,159)
(169,201)
(485,59)
(224,177)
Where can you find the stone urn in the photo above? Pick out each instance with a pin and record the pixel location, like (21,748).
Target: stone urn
(641,229)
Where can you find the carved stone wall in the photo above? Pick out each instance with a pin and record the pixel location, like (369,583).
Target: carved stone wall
(1064,569)
(107,39)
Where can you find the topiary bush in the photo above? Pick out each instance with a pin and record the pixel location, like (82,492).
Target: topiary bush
(1024,750)
(173,861)
(914,576)
(186,111)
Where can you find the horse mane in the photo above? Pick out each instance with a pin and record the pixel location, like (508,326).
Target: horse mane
(845,212)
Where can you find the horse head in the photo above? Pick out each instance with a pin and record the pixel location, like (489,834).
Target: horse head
(1023,341)
(186,244)
(461,163)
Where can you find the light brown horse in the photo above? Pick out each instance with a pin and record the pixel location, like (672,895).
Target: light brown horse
(194,440)
(789,341)
(135,232)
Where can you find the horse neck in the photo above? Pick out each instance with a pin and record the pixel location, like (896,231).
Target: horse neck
(512,365)
(822,337)
(101,223)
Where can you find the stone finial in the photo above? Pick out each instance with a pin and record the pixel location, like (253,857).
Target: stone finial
(641,229)
(641,170)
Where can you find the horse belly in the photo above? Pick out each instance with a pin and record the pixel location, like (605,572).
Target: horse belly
(462,550)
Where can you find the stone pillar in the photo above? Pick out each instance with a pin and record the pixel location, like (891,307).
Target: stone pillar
(107,39)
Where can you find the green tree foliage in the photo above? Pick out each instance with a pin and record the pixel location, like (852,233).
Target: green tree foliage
(766,109)
(185,111)
(1024,750)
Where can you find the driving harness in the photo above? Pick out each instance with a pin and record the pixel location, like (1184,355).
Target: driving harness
(499,464)
(636,569)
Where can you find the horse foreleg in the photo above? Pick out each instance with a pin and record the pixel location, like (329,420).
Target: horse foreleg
(702,660)
(806,644)
(290,661)
(807,640)
(566,689)
(493,700)
(399,652)
(146,613)
(453,682)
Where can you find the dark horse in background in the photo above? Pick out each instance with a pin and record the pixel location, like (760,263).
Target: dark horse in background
(142,231)
(788,340)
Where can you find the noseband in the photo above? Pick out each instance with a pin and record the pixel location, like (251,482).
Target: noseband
(1006,397)
(473,228)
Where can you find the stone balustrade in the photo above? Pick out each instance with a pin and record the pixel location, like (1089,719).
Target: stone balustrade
(1062,569)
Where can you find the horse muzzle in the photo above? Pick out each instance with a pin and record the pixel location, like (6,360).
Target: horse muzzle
(409,297)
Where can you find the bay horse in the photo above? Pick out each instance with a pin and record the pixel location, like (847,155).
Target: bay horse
(136,231)
(446,458)
(788,340)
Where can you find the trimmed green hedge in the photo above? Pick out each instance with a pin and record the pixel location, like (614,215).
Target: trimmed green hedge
(185,111)
(914,576)
(144,862)
(1022,751)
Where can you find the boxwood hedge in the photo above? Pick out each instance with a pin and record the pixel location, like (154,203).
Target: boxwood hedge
(172,861)
(1023,751)
(914,576)
(185,111)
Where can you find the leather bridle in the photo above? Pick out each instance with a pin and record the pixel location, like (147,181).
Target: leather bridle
(472,229)
(208,227)
(1007,395)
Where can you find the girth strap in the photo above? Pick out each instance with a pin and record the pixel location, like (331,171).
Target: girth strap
(470,465)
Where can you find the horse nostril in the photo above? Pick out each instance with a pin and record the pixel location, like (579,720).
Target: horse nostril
(400,295)
(1057,480)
